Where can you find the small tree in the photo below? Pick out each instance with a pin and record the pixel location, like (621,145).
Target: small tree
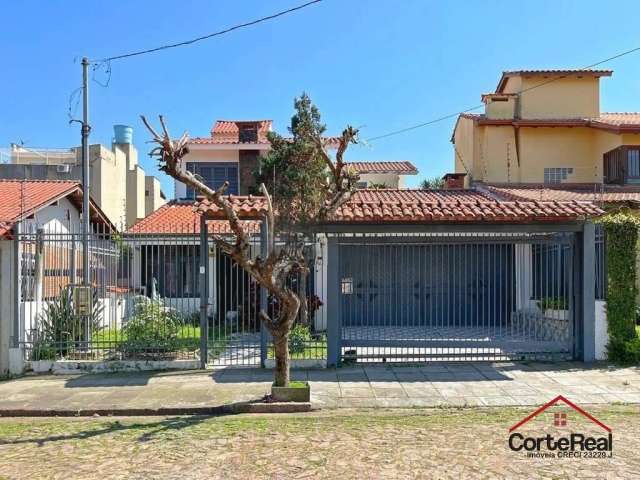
(434,183)
(308,188)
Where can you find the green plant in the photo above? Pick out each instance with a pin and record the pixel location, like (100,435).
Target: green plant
(298,338)
(60,329)
(152,327)
(434,183)
(622,237)
(624,351)
(554,303)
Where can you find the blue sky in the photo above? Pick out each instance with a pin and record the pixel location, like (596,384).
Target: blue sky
(376,64)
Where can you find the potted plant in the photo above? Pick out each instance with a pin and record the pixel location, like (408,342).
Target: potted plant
(556,308)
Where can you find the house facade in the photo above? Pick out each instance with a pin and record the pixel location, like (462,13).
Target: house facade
(547,127)
(40,252)
(118,184)
(233,150)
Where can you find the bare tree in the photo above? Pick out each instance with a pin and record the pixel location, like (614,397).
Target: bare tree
(312,196)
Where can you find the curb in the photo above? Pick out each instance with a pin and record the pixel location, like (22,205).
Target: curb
(248,407)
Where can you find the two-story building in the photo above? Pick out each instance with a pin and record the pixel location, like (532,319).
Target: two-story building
(117,182)
(233,149)
(542,132)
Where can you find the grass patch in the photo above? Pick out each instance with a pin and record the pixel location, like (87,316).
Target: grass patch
(315,349)
(188,339)
(339,421)
(298,384)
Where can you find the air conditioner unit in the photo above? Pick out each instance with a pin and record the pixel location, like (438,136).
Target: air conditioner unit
(63,168)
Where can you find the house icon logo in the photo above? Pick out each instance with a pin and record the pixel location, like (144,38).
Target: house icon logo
(561,444)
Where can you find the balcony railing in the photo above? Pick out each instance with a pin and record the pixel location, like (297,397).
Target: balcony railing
(622,165)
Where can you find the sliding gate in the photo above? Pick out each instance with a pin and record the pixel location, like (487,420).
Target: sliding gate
(456,298)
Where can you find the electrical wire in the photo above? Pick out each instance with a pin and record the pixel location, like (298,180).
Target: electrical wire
(477,107)
(205,37)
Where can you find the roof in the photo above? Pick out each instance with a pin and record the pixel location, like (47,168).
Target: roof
(374,206)
(435,206)
(227,132)
(181,217)
(402,168)
(582,72)
(618,122)
(20,199)
(591,192)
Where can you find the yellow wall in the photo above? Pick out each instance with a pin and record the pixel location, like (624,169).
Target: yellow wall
(580,148)
(570,97)
(465,150)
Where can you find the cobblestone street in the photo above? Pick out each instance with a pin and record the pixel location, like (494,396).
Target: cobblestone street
(348,444)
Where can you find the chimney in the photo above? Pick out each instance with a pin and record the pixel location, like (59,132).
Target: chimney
(454,181)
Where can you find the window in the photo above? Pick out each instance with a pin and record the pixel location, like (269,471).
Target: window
(361,185)
(633,163)
(214,175)
(557,174)
(622,165)
(248,134)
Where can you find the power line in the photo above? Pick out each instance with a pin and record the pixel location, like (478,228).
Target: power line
(205,37)
(476,107)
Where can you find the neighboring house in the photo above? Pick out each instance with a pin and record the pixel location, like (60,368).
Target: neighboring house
(546,127)
(117,182)
(28,207)
(378,174)
(232,152)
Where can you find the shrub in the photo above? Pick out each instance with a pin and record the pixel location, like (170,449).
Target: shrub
(622,238)
(624,351)
(152,327)
(60,329)
(554,303)
(298,338)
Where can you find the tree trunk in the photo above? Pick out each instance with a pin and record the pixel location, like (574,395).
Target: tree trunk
(281,350)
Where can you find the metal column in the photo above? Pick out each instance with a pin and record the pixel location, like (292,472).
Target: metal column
(334,327)
(587,286)
(204,291)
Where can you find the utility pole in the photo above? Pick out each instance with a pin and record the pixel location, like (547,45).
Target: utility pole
(86,129)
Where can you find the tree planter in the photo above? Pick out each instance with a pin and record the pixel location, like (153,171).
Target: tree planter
(556,314)
(295,392)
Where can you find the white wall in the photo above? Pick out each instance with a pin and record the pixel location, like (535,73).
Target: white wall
(602,335)
(61,218)
(6,302)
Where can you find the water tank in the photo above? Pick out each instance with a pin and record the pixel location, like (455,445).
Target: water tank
(123,134)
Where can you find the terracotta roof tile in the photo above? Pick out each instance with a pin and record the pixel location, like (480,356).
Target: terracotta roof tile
(454,206)
(21,198)
(182,217)
(402,168)
(378,206)
(615,122)
(550,73)
(590,192)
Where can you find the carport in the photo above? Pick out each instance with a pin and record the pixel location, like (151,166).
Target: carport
(451,275)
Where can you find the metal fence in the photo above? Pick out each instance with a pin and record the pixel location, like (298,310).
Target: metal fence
(401,297)
(462,297)
(146,297)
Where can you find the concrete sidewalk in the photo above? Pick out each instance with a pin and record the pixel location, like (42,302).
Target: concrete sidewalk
(438,384)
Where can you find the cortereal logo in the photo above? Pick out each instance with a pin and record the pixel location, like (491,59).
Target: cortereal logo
(560,443)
